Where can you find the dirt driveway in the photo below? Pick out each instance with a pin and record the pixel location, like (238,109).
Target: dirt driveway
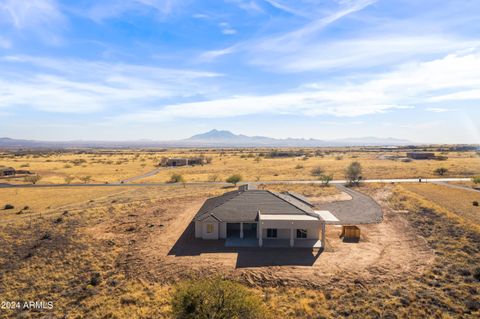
(159,246)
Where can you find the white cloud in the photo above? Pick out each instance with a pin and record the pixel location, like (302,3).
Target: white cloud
(227,29)
(289,9)
(313,28)
(249,6)
(40,16)
(77,86)
(294,41)
(353,53)
(409,85)
(209,56)
(437,109)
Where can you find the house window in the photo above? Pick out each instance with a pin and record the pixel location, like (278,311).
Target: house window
(301,233)
(209,228)
(271,232)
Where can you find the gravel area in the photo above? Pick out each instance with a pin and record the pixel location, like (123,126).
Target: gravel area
(361,209)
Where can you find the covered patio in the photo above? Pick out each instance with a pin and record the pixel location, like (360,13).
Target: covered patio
(273,243)
(288,230)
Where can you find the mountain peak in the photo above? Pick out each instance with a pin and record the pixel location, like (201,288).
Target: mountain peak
(214,134)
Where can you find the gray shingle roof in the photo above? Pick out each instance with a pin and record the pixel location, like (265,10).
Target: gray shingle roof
(301,198)
(243,205)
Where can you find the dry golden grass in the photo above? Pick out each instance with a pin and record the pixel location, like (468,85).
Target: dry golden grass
(46,199)
(54,168)
(455,200)
(222,166)
(52,257)
(56,259)
(449,289)
(102,168)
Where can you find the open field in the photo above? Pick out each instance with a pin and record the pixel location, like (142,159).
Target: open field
(90,242)
(253,165)
(455,200)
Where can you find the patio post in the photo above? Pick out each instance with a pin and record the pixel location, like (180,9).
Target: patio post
(241,230)
(323,235)
(259,229)
(291,236)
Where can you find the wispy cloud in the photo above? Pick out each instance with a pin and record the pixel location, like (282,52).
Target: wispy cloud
(249,6)
(286,8)
(409,85)
(360,53)
(292,40)
(42,17)
(227,28)
(64,86)
(437,109)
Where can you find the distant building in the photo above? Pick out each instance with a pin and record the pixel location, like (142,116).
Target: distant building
(7,171)
(172,162)
(421,155)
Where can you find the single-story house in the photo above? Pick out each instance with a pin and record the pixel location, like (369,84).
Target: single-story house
(7,171)
(421,155)
(271,218)
(183,161)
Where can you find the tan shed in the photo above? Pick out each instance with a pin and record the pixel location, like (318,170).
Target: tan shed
(350,233)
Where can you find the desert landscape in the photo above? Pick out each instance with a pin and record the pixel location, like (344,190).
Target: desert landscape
(239,159)
(108,250)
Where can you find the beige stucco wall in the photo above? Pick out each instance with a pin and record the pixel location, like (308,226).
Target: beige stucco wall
(201,229)
(222,230)
(198,229)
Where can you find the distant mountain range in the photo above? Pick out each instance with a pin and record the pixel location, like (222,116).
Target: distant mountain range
(227,138)
(213,138)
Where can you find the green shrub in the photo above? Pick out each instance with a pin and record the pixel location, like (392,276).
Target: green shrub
(441,171)
(215,298)
(476,179)
(326,179)
(176,178)
(234,179)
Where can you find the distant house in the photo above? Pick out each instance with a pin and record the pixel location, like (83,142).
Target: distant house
(183,161)
(7,171)
(421,155)
(262,218)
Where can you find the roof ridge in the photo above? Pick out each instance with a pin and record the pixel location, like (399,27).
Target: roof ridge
(277,195)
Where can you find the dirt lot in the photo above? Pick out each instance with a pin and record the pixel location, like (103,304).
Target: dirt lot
(160,242)
(116,255)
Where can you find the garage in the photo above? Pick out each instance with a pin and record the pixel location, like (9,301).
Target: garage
(233,230)
(249,230)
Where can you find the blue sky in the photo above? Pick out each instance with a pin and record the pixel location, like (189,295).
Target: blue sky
(165,69)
